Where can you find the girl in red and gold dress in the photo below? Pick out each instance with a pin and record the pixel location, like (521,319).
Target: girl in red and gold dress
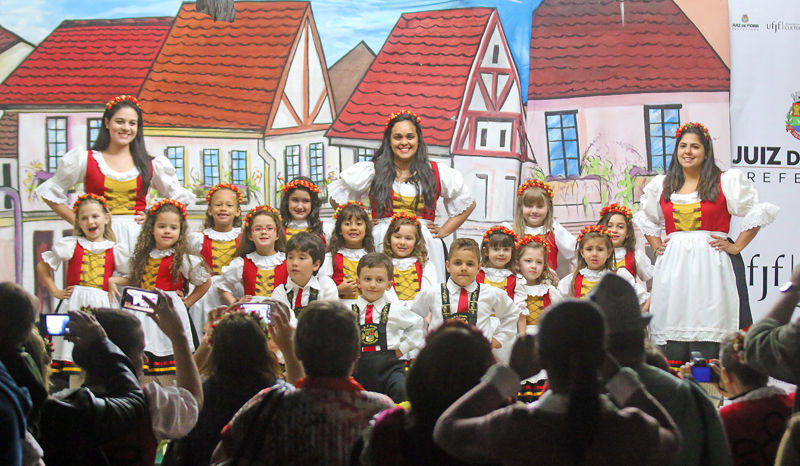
(300,209)
(618,219)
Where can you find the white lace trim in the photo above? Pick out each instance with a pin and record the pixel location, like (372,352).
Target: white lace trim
(297,224)
(496,275)
(540,230)
(645,225)
(161,253)
(222,235)
(760,215)
(404,263)
(110,173)
(458,206)
(537,290)
(592,275)
(266,262)
(95,247)
(660,337)
(353,254)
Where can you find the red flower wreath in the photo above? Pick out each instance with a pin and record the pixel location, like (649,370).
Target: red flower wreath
(216,188)
(499,229)
(255,210)
(342,206)
(533,239)
(164,202)
(121,98)
(403,112)
(617,209)
(535,184)
(594,228)
(294,184)
(399,215)
(83,197)
(690,124)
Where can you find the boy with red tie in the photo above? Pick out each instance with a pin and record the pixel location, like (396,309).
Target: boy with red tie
(304,255)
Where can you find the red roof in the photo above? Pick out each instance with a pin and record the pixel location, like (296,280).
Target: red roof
(218,74)
(423,66)
(8,39)
(86,62)
(580,48)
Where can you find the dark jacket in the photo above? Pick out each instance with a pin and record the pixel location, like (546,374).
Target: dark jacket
(74,426)
(14,406)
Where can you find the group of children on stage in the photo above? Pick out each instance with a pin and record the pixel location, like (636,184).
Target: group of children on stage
(501,285)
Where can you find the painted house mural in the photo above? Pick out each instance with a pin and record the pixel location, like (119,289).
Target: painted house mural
(254,103)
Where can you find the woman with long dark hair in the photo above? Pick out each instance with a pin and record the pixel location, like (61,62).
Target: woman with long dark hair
(695,301)
(401,178)
(118,168)
(572,423)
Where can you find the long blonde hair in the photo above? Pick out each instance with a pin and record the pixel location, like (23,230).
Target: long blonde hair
(531,196)
(108,233)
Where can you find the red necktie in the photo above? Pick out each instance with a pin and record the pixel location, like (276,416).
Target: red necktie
(368,320)
(299,299)
(463,301)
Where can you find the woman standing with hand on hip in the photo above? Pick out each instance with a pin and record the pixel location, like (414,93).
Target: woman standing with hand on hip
(118,168)
(695,301)
(401,178)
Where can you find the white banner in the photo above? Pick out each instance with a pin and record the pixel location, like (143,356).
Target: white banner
(765,133)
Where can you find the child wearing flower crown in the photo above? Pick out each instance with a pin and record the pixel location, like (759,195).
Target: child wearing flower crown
(405,245)
(300,206)
(216,243)
(95,266)
(259,266)
(534,216)
(618,219)
(595,258)
(537,291)
(350,241)
(499,259)
(162,261)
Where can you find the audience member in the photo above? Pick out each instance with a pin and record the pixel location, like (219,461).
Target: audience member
(14,406)
(319,421)
(695,415)
(571,424)
(75,423)
(757,416)
(453,360)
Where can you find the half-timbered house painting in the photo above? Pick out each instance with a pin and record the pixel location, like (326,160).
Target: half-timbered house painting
(454,68)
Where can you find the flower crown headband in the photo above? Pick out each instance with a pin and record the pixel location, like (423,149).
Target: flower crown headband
(535,184)
(738,344)
(594,229)
(258,209)
(402,112)
(84,197)
(399,215)
(121,98)
(499,229)
(691,124)
(216,188)
(527,239)
(164,202)
(294,184)
(230,314)
(617,209)
(348,203)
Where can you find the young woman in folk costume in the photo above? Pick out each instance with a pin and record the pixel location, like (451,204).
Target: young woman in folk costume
(350,241)
(534,216)
(260,262)
(216,244)
(95,266)
(401,178)
(162,261)
(695,299)
(300,206)
(118,168)
(618,220)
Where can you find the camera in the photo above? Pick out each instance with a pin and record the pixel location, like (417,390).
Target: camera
(262,309)
(132,299)
(702,370)
(54,324)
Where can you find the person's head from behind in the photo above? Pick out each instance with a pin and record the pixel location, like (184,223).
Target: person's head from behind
(736,376)
(327,340)
(375,272)
(304,255)
(464,261)
(17,316)
(239,348)
(625,323)
(453,360)
(124,330)
(571,347)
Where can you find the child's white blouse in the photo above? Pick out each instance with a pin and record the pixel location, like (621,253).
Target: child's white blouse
(195,239)
(193,267)
(232,273)
(64,248)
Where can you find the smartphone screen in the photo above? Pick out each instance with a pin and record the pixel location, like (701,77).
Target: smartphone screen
(133,299)
(262,309)
(55,324)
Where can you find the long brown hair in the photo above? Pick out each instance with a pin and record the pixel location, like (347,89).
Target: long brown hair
(531,196)
(246,245)
(239,348)
(146,243)
(498,239)
(139,153)
(314,223)
(545,269)
(708,186)
(349,212)
(609,265)
(629,242)
(420,250)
